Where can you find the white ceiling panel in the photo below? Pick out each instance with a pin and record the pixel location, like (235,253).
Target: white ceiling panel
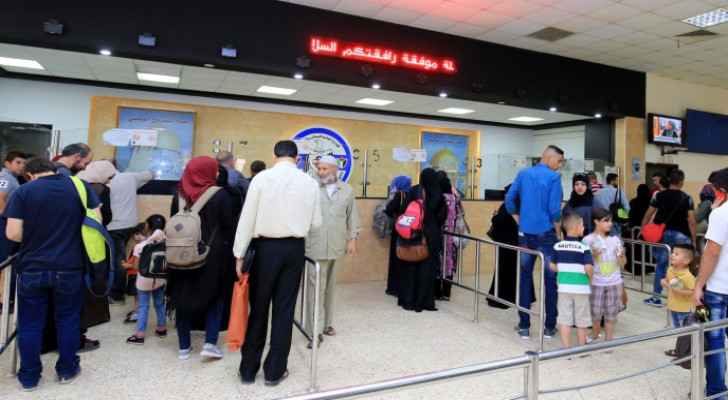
(684,9)
(615,13)
(398,15)
(360,8)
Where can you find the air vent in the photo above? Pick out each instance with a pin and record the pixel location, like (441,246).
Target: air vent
(693,37)
(551,34)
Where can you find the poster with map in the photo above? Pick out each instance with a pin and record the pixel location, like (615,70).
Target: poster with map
(449,153)
(174,141)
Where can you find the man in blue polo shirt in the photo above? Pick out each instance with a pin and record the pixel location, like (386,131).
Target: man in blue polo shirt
(50,266)
(539,193)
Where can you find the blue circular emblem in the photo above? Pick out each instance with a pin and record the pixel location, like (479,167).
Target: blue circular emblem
(319,141)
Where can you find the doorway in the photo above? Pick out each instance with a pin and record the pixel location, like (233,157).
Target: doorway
(32,139)
(653,168)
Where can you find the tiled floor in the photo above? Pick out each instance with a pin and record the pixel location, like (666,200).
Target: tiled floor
(376,341)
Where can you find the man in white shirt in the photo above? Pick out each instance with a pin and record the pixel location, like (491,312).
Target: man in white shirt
(281,207)
(714,273)
(336,237)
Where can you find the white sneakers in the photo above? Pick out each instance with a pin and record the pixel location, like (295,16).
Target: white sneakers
(184,354)
(211,351)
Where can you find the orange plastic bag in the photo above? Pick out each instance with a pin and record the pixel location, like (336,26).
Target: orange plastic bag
(239,310)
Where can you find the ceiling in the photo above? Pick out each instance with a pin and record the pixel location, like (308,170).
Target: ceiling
(633,34)
(89,67)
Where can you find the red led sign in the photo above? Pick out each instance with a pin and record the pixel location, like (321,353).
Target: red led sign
(381,55)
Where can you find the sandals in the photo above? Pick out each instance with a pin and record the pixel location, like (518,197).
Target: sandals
(161,333)
(330,331)
(671,353)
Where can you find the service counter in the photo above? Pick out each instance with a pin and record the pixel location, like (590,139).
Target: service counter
(372,261)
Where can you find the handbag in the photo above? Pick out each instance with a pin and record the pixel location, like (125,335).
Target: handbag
(619,214)
(412,252)
(653,232)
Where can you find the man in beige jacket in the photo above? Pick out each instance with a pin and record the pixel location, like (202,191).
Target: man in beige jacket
(327,244)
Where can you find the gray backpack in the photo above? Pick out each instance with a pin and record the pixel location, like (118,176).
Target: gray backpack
(185,248)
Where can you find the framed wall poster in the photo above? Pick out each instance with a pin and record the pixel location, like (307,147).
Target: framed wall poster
(447,152)
(175,139)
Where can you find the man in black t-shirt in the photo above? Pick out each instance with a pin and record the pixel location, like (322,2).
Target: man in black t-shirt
(674,208)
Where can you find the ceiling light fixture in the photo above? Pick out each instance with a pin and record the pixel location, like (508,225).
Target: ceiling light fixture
(598,115)
(456,111)
(143,76)
(298,75)
(525,119)
(276,90)
(376,86)
(374,102)
(20,63)
(147,40)
(208,65)
(105,52)
(708,19)
(553,109)
(443,95)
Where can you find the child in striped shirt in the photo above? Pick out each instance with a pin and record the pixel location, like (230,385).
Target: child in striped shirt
(573,264)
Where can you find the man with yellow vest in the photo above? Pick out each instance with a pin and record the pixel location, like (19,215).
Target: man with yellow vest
(50,266)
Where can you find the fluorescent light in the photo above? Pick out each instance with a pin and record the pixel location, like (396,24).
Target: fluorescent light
(105,52)
(710,18)
(374,102)
(143,76)
(553,109)
(597,115)
(298,75)
(525,119)
(276,90)
(208,65)
(376,86)
(455,110)
(443,95)
(20,63)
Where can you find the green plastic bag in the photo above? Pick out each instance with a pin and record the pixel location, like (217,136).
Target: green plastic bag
(93,239)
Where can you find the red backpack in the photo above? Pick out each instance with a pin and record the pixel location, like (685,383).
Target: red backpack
(409,224)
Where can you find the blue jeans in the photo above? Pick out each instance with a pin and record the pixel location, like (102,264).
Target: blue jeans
(715,363)
(212,326)
(143,309)
(544,243)
(121,238)
(670,238)
(35,289)
(678,318)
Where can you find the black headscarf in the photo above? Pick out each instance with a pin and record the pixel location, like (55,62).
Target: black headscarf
(445,183)
(581,200)
(430,182)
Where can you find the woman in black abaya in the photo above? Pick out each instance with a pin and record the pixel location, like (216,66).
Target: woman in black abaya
(504,229)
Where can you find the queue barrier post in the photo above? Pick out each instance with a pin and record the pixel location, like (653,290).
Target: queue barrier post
(301,324)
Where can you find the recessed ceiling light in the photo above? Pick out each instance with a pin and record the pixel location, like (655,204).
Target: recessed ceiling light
(710,18)
(105,52)
(374,102)
(143,76)
(501,102)
(276,90)
(443,95)
(525,119)
(376,86)
(208,65)
(20,63)
(598,115)
(553,109)
(456,111)
(298,75)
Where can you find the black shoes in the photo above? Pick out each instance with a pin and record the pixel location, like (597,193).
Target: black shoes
(88,345)
(276,382)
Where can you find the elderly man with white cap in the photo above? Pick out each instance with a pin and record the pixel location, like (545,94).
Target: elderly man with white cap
(332,240)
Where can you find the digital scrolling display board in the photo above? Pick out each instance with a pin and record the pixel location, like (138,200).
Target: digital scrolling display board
(381,55)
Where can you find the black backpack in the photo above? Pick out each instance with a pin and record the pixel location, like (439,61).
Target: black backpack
(153,261)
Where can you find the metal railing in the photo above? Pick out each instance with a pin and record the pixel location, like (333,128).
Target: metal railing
(531,364)
(495,296)
(8,324)
(301,324)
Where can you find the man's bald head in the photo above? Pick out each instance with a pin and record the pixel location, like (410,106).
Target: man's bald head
(553,157)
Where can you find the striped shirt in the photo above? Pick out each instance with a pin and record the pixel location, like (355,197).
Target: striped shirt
(570,257)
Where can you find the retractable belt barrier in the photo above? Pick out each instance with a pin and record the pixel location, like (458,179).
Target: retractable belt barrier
(540,314)
(310,333)
(8,323)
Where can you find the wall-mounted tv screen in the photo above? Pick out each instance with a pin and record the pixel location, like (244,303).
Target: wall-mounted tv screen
(708,132)
(664,130)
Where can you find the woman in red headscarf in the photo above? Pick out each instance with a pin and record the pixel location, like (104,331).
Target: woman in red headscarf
(201,297)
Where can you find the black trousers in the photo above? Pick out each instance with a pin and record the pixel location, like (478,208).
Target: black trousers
(275,276)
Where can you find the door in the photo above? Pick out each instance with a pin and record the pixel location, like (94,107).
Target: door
(32,139)
(664,169)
